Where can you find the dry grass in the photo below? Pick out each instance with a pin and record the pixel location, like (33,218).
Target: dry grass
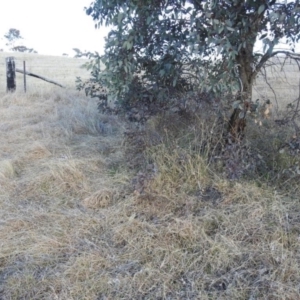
(279,82)
(71,227)
(60,69)
(54,160)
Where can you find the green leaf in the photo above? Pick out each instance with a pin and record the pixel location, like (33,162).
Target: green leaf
(174,81)
(236,104)
(282,17)
(261,9)
(162,73)
(129,45)
(228,23)
(230,29)
(273,16)
(120,17)
(242,115)
(189,9)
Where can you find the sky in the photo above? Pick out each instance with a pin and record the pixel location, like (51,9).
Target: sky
(51,27)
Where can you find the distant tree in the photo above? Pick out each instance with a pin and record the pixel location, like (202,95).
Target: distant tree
(65,54)
(23,49)
(13,36)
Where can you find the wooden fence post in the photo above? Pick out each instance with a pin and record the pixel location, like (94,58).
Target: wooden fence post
(10,74)
(24,69)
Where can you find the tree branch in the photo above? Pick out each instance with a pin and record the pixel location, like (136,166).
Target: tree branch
(267,56)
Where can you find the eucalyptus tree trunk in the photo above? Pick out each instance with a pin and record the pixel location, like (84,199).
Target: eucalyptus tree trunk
(237,122)
(246,72)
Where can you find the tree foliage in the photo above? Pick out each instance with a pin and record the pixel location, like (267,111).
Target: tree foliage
(23,49)
(161,46)
(12,35)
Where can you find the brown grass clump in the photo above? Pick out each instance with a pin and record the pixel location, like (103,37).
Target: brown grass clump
(100,199)
(37,151)
(178,171)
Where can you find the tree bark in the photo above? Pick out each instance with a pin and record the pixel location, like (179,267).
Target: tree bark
(237,121)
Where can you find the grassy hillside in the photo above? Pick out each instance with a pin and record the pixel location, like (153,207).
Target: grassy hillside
(76,222)
(279,82)
(60,69)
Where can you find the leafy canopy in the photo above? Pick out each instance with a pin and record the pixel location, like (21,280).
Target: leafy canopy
(177,44)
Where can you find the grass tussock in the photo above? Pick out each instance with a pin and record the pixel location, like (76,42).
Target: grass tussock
(78,220)
(180,172)
(100,199)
